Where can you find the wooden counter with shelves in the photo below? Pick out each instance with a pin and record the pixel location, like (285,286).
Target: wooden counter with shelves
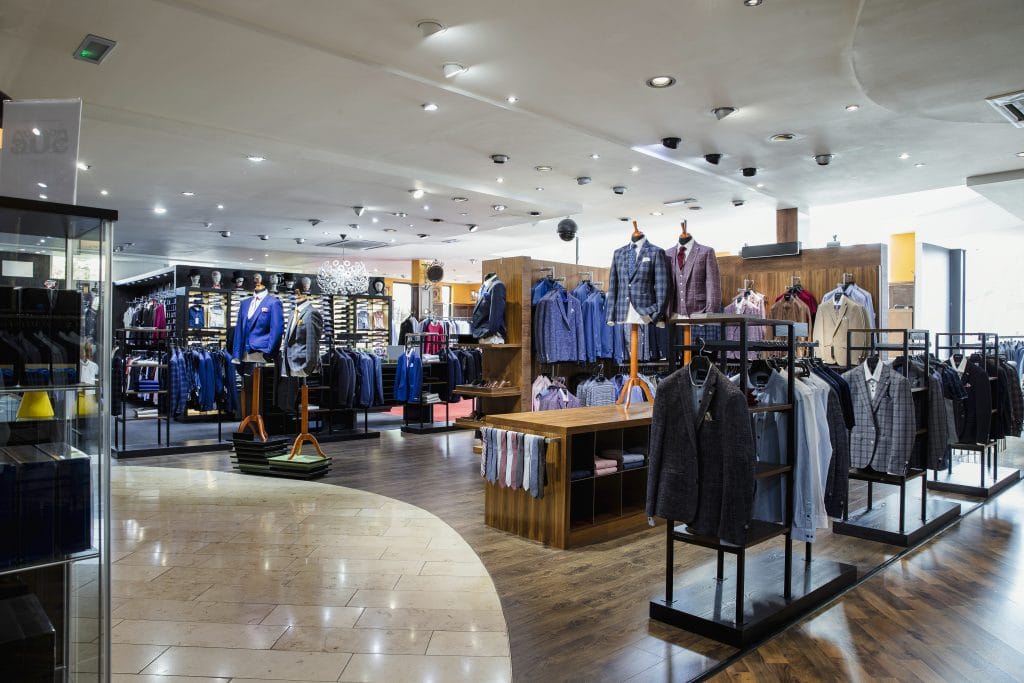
(585,510)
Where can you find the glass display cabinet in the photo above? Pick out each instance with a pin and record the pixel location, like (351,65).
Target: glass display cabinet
(55,406)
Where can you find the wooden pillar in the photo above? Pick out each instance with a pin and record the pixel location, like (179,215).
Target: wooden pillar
(786,226)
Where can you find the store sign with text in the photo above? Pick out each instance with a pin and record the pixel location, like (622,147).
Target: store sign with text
(40,150)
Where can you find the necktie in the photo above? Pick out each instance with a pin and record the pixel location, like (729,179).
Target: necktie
(681,257)
(632,257)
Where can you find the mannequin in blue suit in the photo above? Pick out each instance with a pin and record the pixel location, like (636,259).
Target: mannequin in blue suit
(259,326)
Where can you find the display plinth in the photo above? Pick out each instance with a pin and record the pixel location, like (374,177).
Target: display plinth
(882,522)
(967,480)
(706,605)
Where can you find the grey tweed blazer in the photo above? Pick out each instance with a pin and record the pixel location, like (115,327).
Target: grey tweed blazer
(883,437)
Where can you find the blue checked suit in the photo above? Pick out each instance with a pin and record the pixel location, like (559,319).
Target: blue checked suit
(644,283)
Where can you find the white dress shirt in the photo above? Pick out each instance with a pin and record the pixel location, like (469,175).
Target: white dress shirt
(873,378)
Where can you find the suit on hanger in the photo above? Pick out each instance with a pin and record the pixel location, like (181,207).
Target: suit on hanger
(884,434)
(831,325)
(642,282)
(262,330)
(489,312)
(559,335)
(701,468)
(697,285)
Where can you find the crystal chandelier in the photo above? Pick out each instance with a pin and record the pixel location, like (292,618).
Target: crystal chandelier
(343,277)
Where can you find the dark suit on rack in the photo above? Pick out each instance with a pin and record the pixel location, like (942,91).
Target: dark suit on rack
(702,464)
(489,313)
(978,406)
(638,278)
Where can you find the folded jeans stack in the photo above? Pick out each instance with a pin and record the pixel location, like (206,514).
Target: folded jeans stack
(604,466)
(631,461)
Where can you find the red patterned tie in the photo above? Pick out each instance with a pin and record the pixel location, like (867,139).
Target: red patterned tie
(681,257)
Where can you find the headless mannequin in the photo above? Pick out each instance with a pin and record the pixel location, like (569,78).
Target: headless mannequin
(684,237)
(259,293)
(634,320)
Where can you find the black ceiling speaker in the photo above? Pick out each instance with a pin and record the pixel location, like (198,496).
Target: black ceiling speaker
(713,158)
(567,229)
(671,143)
(435,272)
(749,172)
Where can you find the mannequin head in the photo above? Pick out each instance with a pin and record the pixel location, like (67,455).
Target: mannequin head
(238,279)
(289,281)
(215,276)
(378,287)
(193,276)
(275,281)
(307,285)
(257,282)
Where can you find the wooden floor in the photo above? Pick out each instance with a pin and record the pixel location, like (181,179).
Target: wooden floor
(946,611)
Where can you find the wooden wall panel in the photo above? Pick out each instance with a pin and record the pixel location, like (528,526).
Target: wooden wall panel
(819,270)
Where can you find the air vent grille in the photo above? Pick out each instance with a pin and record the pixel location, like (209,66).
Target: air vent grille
(1011,106)
(355,245)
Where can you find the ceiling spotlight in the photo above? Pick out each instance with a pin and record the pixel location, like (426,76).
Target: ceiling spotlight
(82,166)
(918,165)
(429,27)
(749,172)
(104,192)
(392,240)
(225,233)
(499,179)
(390,230)
(539,189)
(300,240)
(459,200)
(906,156)
(358,210)
(713,158)
(511,99)
(375,220)
(159,210)
(661,81)
(429,106)
(437,220)
(583,180)
(256,158)
(500,158)
(353,226)
(36,132)
(473,227)
(535,213)
(634,169)
(499,207)
(264,237)
(423,236)
(451,69)
(542,169)
(823,159)
(426,207)
(655,213)
(399,214)
(595,156)
(752,3)
(43,196)
(1020,154)
(721,112)
(220,206)
(671,143)
(417,193)
(694,208)
(782,137)
(760,185)
(852,107)
(42,185)
(463,213)
(188,194)
(619,189)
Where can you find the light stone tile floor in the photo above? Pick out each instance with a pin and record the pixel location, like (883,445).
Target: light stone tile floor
(222,577)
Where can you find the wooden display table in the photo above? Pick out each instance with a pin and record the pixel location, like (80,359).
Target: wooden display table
(586,510)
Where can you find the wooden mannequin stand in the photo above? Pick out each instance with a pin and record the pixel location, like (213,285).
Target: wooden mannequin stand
(304,435)
(254,419)
(634,352)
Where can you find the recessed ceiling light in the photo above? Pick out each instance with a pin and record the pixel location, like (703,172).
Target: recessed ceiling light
(721,112)
(852,107)
(595,156)
(511,99)
(326,233)
(390,230)
(426,207)
(452,69)
(539,189)
(188,194)
(1020,154)
(499,207)
(634,169)
(264,237)
(752,3)
(42,185)
(36,131)
(82,166)
(104,192)
(429,106)
(655,213)
(43,196)
(499,179)
(411,225)
(159,210)
(918,165)
(904,156)
(473,227)
(429,27)
(542,168)
(782,137)
(463,213)
(250,258)
(760,185)
(459,200)
(417,193)
(661,81)
(399,214)
(392,240)
(375,220)
(220,206)
(255,158)
(694,208)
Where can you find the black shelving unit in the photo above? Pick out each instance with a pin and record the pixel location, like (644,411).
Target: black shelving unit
(886,521)
(702,605)
(418,417)
(988,478)
(151,340)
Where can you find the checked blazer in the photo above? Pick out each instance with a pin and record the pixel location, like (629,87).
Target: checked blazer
(697,286)
(644,283)
(883,435)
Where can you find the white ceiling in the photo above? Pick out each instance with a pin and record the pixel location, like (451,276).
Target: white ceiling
(330,93)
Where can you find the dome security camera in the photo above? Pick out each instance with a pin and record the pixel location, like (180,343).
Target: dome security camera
(713,158)
(567,229)
(619,189)
(500,158)
(671,143)
(823,159)
(583,180)
(300,240)
(225,233)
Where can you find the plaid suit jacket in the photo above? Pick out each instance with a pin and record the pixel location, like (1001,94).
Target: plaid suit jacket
(646,286)
(883,435)
(697,286)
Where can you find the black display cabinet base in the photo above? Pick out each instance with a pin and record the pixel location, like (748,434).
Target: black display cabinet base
(706,606)
(882,522)
(185,447)
(270,459)
(968,480)
(429,427)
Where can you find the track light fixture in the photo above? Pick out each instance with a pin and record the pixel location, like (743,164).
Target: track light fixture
(359,210)
(672,142)
(749,172)
(300,240)
(264,237)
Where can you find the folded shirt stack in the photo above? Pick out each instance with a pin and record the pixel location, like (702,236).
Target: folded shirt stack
(604,467)
(579,474)
(631,461)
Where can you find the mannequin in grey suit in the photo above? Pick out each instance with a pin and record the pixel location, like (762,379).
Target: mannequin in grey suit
(300,350)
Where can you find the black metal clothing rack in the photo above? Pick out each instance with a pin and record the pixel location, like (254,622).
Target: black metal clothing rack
(350,434)
(132,339)
(420,339)
(991,478)
(819,581)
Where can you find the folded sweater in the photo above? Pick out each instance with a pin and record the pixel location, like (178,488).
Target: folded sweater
(600,463)
(632,457)
(605,471)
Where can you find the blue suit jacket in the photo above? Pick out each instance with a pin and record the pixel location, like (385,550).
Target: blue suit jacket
(409,377)
(261,332)
(646,286)
(560,334)
(489,312)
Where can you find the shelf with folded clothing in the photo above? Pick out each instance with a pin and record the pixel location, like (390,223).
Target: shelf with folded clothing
(922,438)
(735,618)
(415,373)
(485,392)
